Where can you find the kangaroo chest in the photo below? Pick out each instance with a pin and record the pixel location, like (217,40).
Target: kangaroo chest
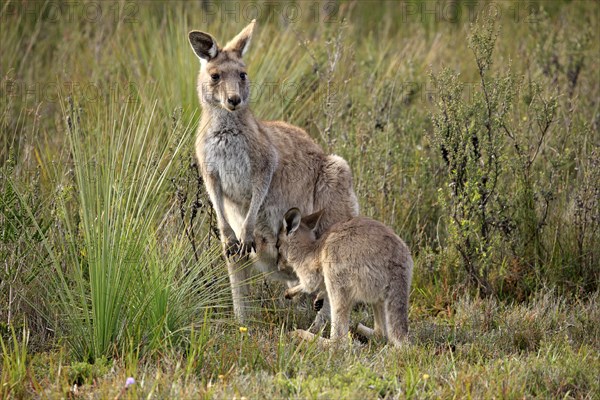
(226,154)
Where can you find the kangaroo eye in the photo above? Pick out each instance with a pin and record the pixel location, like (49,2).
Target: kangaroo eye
(243,76)
(215,77)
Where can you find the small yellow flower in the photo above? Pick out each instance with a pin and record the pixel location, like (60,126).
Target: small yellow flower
(425,377)
(243,329)
(221,377)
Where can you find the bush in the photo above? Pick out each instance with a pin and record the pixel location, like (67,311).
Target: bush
(499,187)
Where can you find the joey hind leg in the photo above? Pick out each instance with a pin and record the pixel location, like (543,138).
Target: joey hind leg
(364,330)
(379,319)
(380,328)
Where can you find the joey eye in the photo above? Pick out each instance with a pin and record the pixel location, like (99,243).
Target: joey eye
(215,77)
(243,76)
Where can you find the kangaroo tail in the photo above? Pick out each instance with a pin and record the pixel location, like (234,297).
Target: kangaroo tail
(396,305)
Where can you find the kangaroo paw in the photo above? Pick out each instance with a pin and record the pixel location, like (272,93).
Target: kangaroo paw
(231,247)
(246,248)
(317,304)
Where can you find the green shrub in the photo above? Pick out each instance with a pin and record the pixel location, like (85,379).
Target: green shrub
(500,185)
(81,373)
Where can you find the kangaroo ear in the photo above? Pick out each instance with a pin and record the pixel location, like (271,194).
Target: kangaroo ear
(204,45)
(312,220)
(240,43)
(291,220)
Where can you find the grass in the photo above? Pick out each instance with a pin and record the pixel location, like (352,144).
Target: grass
(480,349)
(110,264)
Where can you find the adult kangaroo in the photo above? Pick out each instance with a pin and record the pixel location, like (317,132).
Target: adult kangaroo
(254,171)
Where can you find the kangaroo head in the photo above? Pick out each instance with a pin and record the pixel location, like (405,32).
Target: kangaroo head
(296,235)
(223,80)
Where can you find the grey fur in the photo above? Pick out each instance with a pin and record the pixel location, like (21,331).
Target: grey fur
(255,170)
(359,260)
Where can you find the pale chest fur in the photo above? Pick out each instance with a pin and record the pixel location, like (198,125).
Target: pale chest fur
(225,154)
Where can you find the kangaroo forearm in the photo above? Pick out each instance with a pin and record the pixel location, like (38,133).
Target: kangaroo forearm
(259,192)
(213,187)
(255,204)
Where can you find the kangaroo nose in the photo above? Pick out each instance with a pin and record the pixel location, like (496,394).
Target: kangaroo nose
(234,100)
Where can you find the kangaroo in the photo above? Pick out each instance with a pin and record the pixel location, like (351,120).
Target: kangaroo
(359,260)
(255,170)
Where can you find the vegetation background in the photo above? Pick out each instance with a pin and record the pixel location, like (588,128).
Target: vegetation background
(472,129)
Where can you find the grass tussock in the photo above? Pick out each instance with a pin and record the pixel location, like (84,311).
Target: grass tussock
(480,150)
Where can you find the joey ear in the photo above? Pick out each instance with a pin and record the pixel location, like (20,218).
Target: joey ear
(240,43)
(204,45)
(312,220)
(291,220)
